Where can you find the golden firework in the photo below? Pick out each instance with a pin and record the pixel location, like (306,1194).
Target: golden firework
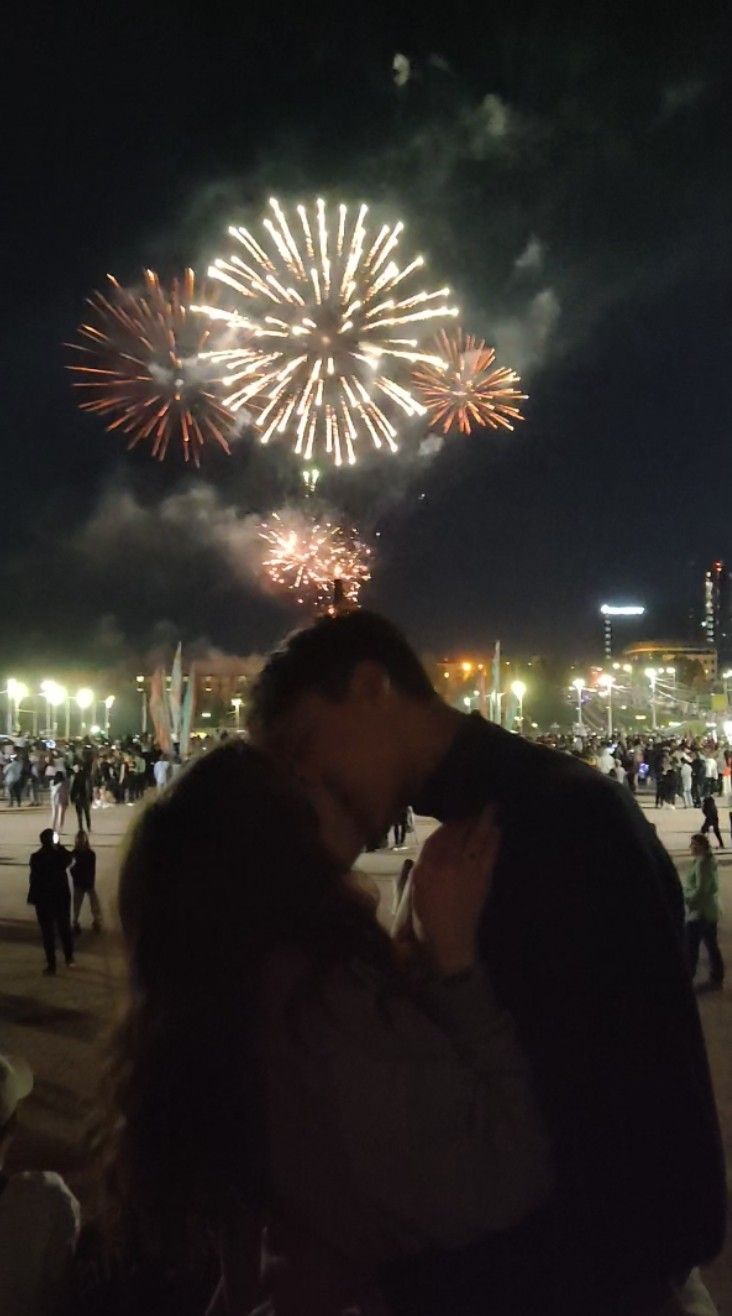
(466,392)
(324,304)
(147,369)
(306,557)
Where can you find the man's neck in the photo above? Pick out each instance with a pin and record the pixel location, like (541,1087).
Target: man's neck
(432,732)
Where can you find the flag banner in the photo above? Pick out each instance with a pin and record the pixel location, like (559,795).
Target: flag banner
(159,711)
(187,712)
(175,695)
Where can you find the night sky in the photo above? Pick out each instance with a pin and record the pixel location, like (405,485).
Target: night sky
(565,168)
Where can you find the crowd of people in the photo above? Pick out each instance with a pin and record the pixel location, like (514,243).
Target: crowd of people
(503,1106)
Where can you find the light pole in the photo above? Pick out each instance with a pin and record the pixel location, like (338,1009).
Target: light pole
(518,688)
(652,675)
(578,684)
(141,691)
(607,682)
(84,701)
(17,691)
(237,703)
(107,710)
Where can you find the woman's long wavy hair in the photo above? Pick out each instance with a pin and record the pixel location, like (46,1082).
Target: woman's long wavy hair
(221,868)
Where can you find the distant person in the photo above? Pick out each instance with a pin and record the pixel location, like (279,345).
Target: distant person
(697,778)
(701,894)
(49,893)
(711,774)
(669,786)
(686,784)
(14,780)
(39,1218)
(59,802)
(711,819)
(161,773)
(82,791)
(400,828)
(83,876)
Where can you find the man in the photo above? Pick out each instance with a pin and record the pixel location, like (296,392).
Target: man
(583,939)
(49,892)
(14,780)
(39,1217)
(81,794)
(161,771)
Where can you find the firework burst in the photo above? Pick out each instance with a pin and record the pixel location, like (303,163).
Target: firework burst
(146,367)
(306,557)
(331,323)
(466,391)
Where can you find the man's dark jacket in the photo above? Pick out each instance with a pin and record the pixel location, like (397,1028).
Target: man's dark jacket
(582,935)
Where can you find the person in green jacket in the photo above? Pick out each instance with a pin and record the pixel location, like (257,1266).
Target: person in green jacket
(701,894)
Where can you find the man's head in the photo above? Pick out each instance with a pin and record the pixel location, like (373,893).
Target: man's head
(46,837)
(349,705)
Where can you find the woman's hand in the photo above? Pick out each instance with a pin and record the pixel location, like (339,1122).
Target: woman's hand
(450,883)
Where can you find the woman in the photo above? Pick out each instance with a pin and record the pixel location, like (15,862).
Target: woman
(276,1064)
(59,802)
(83,875)
(701,894)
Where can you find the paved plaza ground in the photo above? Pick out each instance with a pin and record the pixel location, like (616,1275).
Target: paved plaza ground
(59,1023)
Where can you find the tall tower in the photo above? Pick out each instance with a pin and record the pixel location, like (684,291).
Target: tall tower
(716,606)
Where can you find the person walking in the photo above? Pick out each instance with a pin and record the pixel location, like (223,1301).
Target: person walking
(161,772)
(59,802)
(697,778)
(686,782)
(49,893)
(81,793)
(701,896)
(14,780)
(400,829)
(711,774)
(711,819)
(83,875)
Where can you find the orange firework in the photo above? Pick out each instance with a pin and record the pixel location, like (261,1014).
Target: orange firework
(148,367)
(306,556)
(466,392)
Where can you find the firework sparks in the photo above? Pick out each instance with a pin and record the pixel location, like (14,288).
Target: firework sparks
(467,392)
(330,322)
(306,557)
(146,367)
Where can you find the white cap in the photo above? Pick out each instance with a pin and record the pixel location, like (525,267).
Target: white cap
(16,1081)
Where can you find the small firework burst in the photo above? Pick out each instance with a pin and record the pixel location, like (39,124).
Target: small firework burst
(146,367)
(466,391)
(324,305)
(305,557)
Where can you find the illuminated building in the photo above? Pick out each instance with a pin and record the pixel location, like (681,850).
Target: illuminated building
(715,625)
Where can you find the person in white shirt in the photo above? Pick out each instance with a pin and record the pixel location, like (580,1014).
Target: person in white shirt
(39,1218)
(161,769)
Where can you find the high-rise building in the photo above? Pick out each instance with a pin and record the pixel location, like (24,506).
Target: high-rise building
(716,620)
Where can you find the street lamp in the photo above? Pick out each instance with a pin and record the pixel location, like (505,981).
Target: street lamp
(237,703)
(518,688)
(141,690)
(54,694)
(107,710)
(652,675)
(84,701)
(579,685)
(17,692)
(607,682)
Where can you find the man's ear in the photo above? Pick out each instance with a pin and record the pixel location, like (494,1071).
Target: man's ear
(369,682)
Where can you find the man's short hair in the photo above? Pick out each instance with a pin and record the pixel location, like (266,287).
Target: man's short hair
(320,659)
(46,836)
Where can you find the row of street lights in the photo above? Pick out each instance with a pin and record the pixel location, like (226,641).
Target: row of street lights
(606,682)
(54,695)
